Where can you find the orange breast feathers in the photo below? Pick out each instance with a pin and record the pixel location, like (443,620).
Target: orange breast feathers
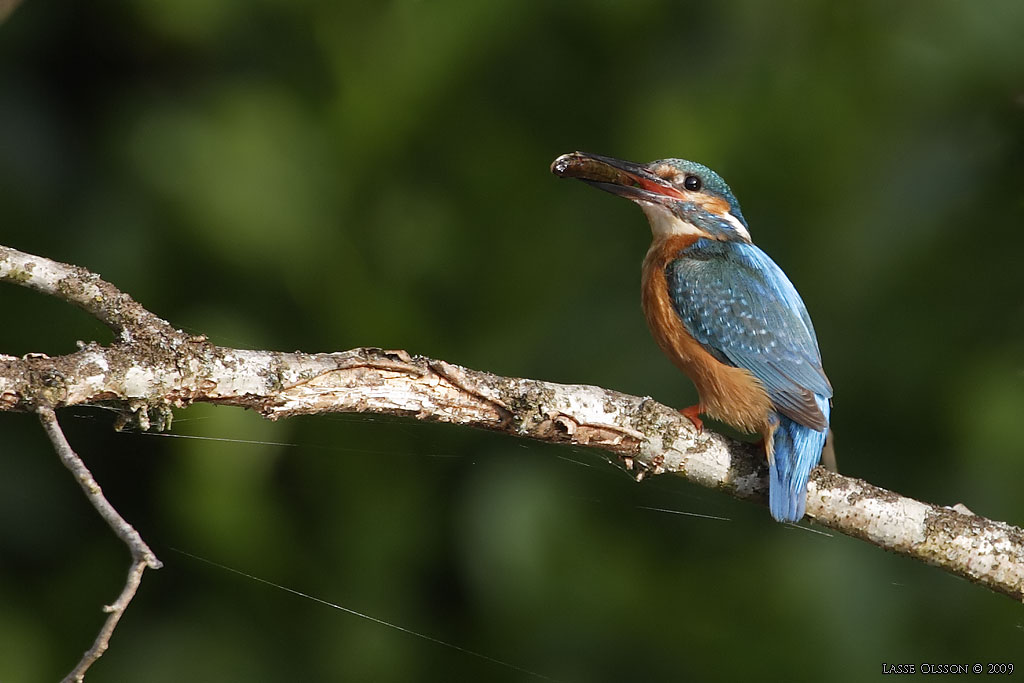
(727,393)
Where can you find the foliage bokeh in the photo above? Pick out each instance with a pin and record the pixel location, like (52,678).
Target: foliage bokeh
(320,176)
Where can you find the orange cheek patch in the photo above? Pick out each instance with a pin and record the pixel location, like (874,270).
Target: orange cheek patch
(715,205)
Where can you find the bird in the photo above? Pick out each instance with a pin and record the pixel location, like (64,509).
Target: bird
(725,314)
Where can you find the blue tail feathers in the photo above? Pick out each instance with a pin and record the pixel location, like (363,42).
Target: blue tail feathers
(797,452)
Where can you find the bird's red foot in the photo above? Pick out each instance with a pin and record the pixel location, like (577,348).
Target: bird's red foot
(693,415)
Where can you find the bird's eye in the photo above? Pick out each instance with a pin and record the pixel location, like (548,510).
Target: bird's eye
(692,183)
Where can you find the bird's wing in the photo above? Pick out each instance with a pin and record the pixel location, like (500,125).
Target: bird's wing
(740,306)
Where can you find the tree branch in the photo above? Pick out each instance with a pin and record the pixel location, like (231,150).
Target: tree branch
(152,368)
(142,556)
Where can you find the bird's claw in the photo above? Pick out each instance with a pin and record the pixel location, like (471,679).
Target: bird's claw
(692,414)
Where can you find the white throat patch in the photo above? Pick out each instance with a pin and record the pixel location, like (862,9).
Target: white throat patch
(737,226)
(664,223)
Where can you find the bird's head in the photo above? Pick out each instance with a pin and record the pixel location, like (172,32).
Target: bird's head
(679,197)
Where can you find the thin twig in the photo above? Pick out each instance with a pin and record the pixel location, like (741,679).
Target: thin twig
(142,556)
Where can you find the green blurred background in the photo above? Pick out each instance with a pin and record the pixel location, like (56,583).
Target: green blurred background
(325,175)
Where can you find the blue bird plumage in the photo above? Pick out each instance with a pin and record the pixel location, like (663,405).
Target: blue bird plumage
(740,306)
(726,314)
(797,450)
(743,309)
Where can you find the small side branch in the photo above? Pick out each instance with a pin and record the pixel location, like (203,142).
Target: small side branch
(142,556)
(85,289)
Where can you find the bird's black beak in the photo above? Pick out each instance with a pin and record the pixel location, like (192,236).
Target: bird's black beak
(623,178)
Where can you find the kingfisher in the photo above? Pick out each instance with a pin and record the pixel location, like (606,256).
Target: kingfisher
(725,314)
